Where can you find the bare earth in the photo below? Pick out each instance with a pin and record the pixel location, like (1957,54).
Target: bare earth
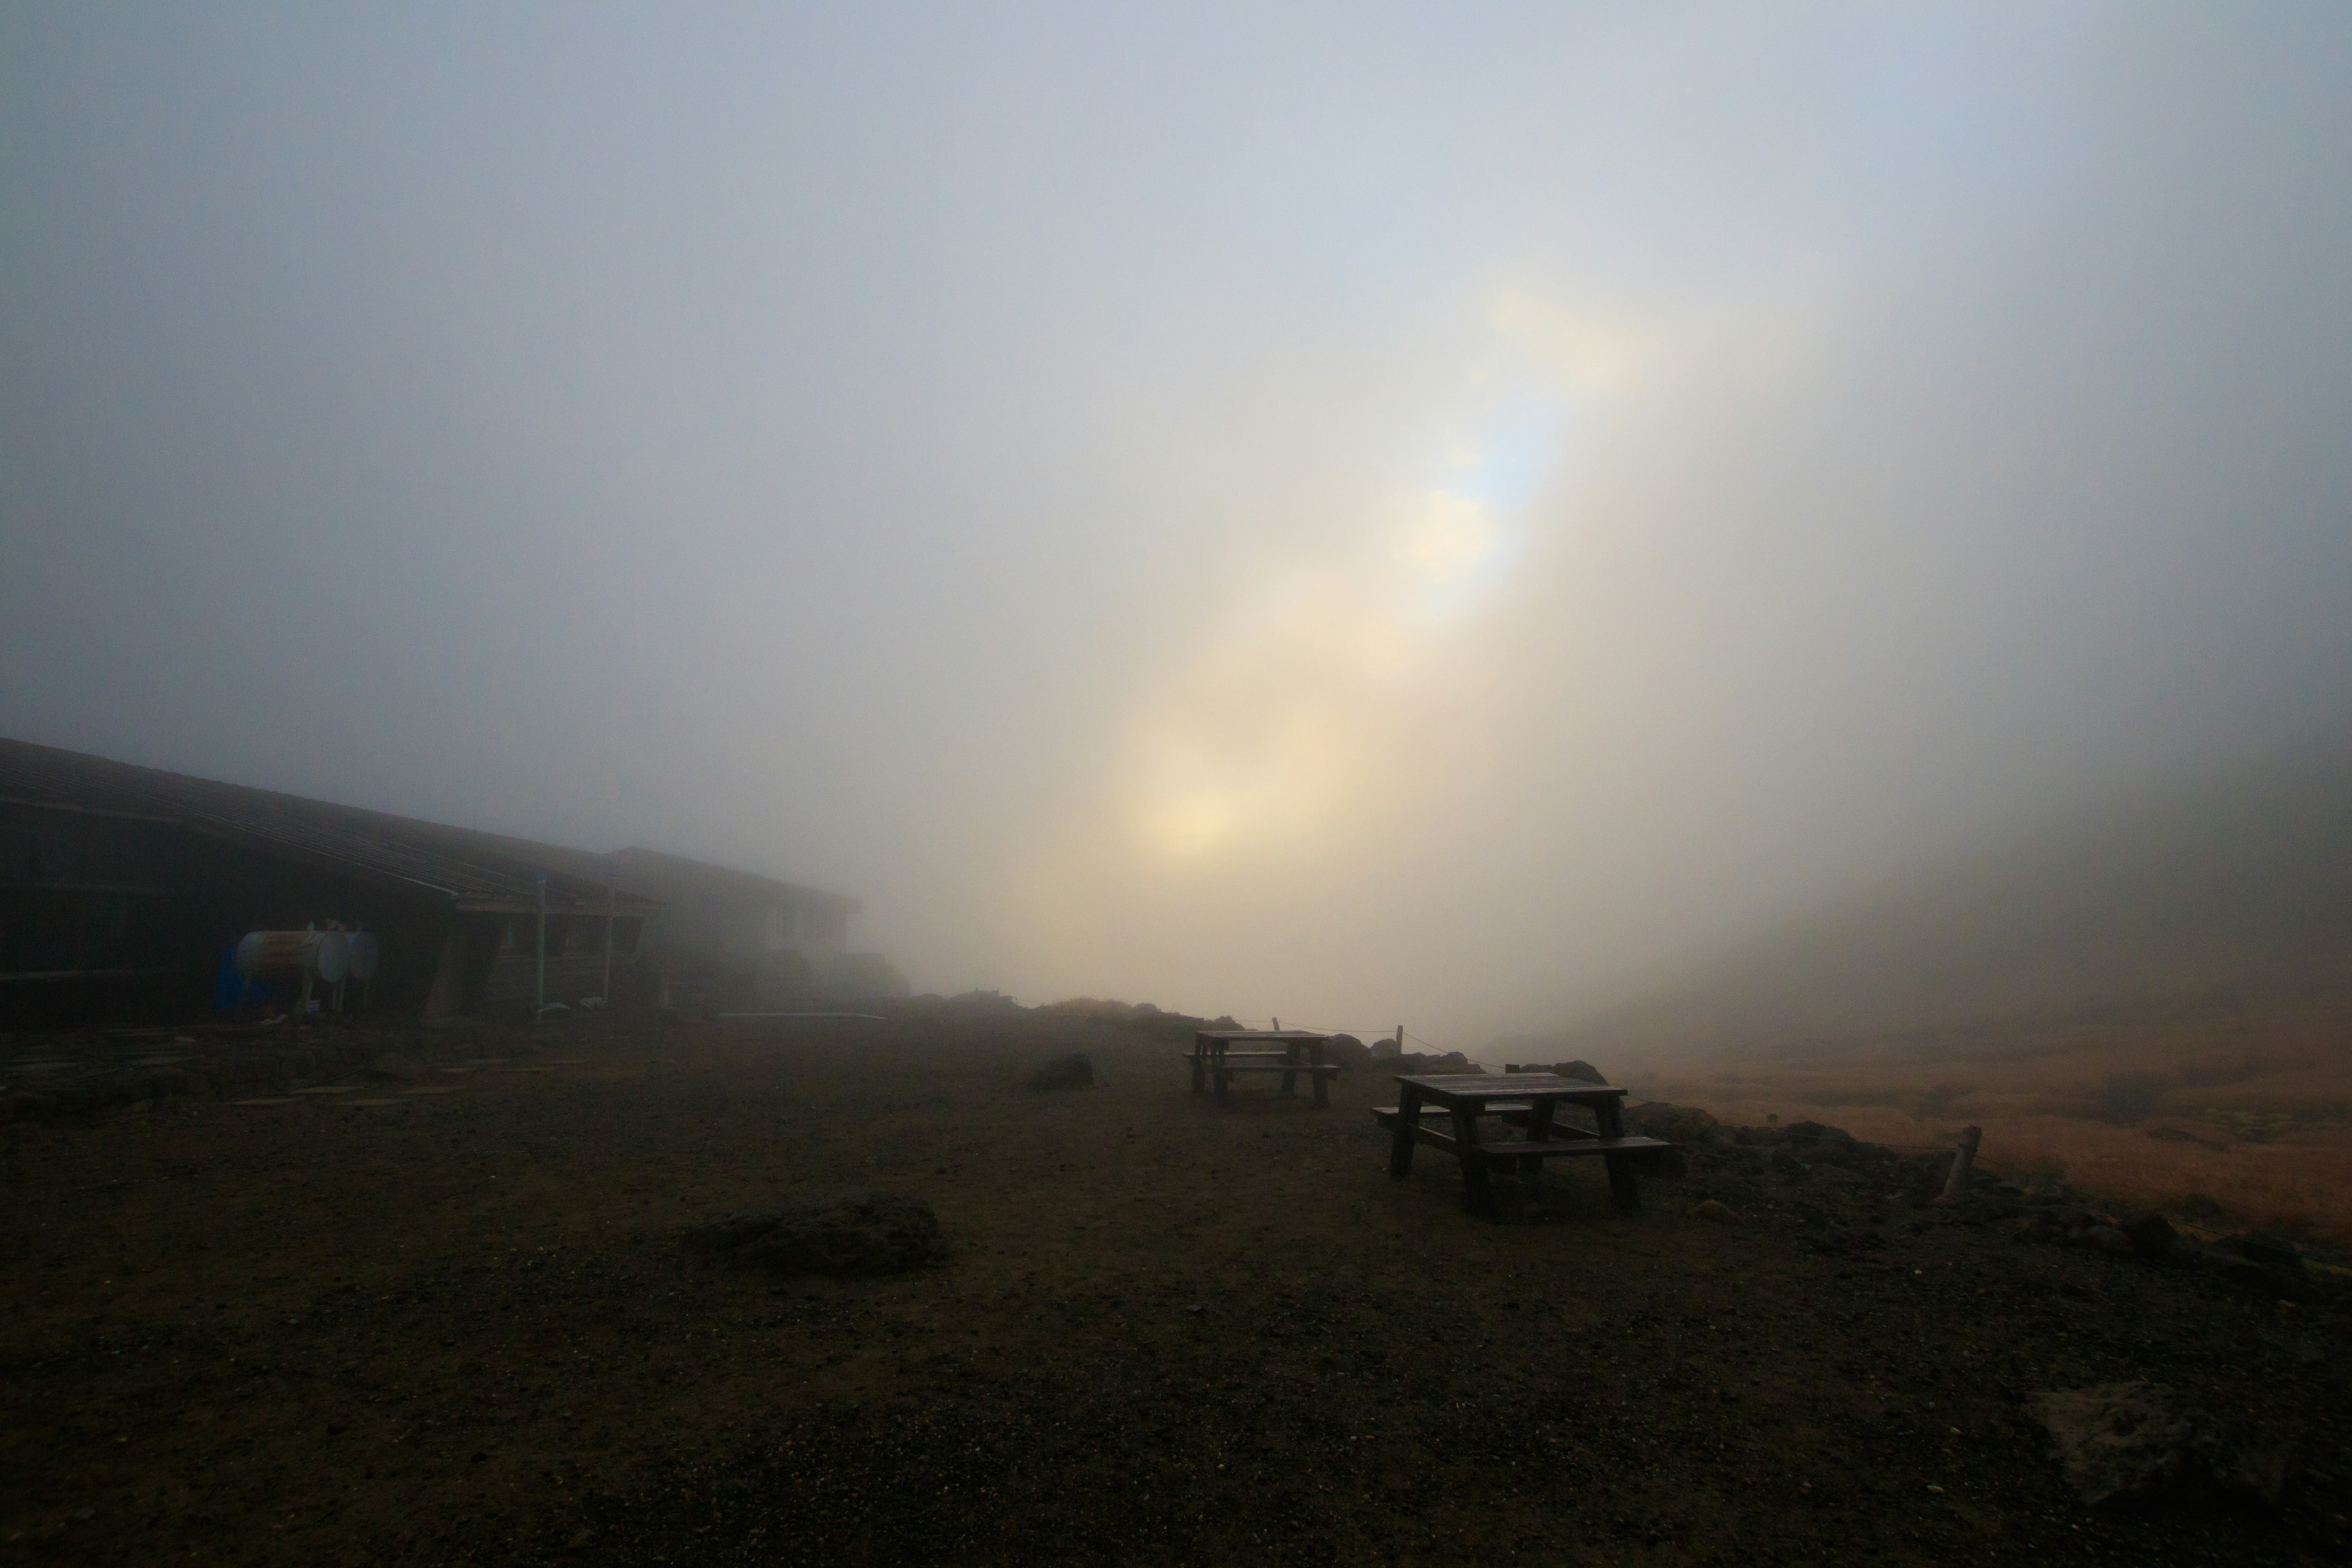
(385,1325)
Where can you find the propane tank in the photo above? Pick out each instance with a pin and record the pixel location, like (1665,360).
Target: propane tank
(364,953)
(322,955)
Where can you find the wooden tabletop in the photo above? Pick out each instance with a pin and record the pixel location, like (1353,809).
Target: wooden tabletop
(1509,1085)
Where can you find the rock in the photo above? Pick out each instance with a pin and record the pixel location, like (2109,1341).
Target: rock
(856,1231)
(1684,1124)
(2279,1284)
(396,1068)
(2117,1441)
(2127,1440)
(2108,1239)
(1347,1051)
(1076,1070)
(1835,1179)
(2201,1209)
(2270,1251)
(1714,1211)
(2151,1236)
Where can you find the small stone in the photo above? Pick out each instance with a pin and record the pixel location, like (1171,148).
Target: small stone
(1714,1211)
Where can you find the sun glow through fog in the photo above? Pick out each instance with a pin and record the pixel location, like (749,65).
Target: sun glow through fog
(1269,734)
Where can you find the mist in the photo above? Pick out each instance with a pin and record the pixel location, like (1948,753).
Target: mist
(1439,516)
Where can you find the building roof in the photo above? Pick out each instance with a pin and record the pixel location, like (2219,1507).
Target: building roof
(673,878)
(474,870)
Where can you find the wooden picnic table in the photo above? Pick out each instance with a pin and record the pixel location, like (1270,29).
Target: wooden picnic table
(1215,1061)
(1529,1101)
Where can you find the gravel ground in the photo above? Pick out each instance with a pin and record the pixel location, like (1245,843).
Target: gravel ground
(447,1317)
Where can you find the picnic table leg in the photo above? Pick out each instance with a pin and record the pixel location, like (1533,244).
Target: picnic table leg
(1290,1067)
(1225,1080)
(1624,1186)
(1408,1120)
(1199,1064)
(1538,1130)
(1322,1078)
(1480,1191)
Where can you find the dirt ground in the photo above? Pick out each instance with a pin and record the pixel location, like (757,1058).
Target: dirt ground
(450,1321)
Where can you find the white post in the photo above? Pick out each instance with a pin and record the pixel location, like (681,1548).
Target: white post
(541,1005)
(309,967)
(607,992)
(1956,1184)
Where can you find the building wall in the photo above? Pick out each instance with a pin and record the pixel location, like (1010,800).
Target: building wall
(144,911)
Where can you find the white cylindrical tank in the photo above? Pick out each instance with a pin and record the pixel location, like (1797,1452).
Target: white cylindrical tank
(365,954)
(324,954)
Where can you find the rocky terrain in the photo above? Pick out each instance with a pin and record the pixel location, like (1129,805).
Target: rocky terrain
(405,1297)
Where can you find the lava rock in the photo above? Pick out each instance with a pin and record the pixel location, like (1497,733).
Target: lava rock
(1349,1052)
(2108,1239)
(1713,1210)
(2151,1236)
(2127,1440)
(2117,1441)
(853,1231)
(1076,1070)
(2270,1251)
(1680,1124)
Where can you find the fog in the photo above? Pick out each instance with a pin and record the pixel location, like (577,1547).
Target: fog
(1440,515)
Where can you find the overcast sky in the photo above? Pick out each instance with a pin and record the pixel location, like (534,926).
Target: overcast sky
(1436,514)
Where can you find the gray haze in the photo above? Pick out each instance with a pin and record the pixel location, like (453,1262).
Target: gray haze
(1360,514)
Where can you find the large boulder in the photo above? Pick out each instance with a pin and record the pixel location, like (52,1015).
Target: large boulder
(1684,1124)
(2123,1441)
(1076,1070)
(1347,1051)
(849,1231)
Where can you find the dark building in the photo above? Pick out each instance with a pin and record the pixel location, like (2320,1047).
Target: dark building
(122,888)
(730,939)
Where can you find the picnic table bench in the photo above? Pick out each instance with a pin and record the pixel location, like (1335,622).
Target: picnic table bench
(1529,1101)
(1214,1061)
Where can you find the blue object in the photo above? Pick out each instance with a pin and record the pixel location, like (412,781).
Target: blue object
(230,990)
